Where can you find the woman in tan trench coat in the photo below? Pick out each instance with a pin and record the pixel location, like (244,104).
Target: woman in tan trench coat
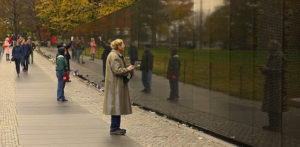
(116,95)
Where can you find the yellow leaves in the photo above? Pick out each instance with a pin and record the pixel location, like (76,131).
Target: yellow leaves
(64,15)
(109,6)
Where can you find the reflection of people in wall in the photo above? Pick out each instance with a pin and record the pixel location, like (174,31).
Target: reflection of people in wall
(93,47)
(173,74)
(274,102)
(77,49)
(133,53)
(107,49)
(146,67)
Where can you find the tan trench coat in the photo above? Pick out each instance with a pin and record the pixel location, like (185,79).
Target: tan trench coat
(116,94)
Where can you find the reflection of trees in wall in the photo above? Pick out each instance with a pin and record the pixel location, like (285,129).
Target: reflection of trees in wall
(216,28)
(156,15)
(238,14)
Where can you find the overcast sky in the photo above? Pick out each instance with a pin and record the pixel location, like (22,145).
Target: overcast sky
(208,5)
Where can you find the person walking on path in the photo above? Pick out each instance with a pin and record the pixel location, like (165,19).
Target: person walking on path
(93,47)
(173,74)
(6,45)
(146,68)
(9,39)
(26,53)
(31,49)
(275,100)
(14,39)
(106,51)
(116,93)
(17,54)
(61,70)
(133,53)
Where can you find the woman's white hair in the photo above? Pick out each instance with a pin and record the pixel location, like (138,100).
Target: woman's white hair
(118,42)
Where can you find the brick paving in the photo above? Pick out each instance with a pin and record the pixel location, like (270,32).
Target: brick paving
(8,112)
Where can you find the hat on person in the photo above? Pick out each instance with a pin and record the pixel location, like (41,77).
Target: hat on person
(60,45)
(61,50)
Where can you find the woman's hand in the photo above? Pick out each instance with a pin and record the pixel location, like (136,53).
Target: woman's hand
(130,68)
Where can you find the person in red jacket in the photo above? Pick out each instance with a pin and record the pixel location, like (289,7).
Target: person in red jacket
(9,39)
(53,41)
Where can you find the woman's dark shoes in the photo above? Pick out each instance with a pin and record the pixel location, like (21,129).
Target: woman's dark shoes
(118,132)
(65,100)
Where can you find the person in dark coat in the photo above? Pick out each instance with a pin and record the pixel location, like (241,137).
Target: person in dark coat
(17,54)
(133,53)
(107,49)
(26,53)
(146,68)
(173,74)
(14,39)
(66,51)
(31,46)
(274,102)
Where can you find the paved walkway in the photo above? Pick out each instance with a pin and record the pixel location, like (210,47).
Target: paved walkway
(30,116)
(43,122)
(229,116)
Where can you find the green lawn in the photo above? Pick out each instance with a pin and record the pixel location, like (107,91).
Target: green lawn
(232,72)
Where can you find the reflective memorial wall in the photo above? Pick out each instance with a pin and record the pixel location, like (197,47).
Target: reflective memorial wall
(237,65)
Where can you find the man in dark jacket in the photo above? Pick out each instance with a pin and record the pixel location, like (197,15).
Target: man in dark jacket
(146,67)
(14,39)
(31,47)
(26,53)
(133,53)
(17,55)
(107,49)
(173,74)
(66,51)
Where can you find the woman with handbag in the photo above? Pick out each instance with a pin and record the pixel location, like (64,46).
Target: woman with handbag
(116,93)
(61,71)
(17,56)
(6,45)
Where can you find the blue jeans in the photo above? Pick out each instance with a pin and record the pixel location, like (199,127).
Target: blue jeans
(60,87)
(25,62)
(7,57)
(115,122)
(147,79)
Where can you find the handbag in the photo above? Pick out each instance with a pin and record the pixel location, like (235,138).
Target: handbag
(66,77)
(12,59)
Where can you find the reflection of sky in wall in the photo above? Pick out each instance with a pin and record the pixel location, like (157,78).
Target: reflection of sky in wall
(208,5)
